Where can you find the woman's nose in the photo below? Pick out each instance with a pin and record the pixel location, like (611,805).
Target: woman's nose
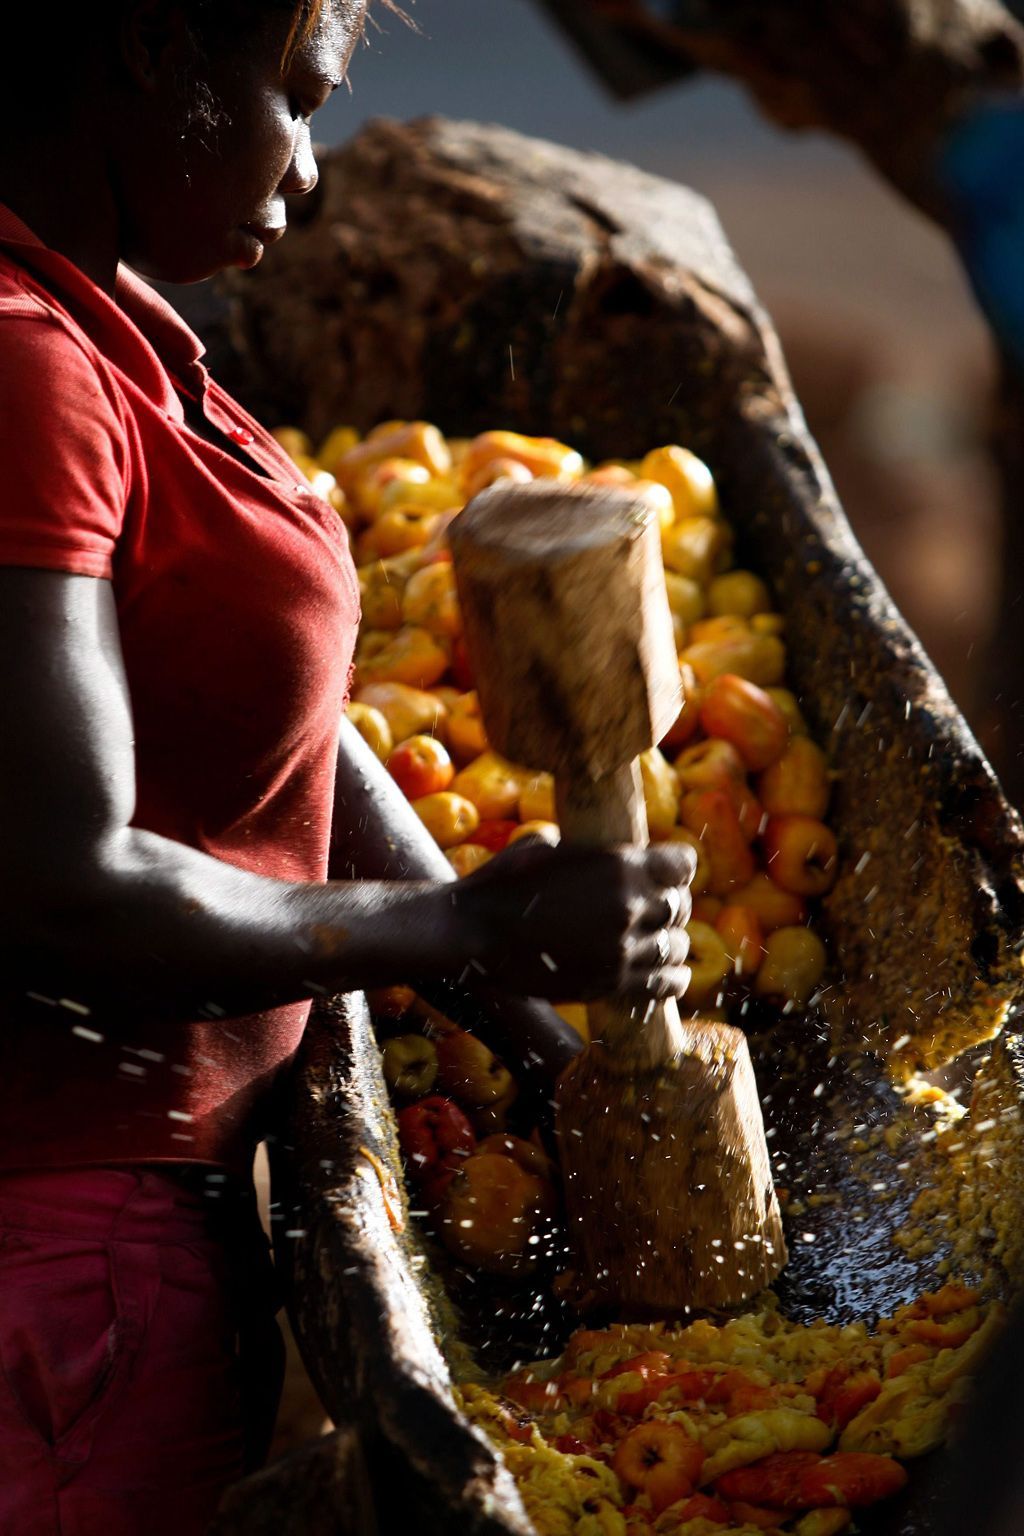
(302,174)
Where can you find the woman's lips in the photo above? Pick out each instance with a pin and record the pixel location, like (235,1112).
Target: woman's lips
(266,234)
(254,239)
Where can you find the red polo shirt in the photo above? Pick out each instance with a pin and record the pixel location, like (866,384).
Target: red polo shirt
(237,604)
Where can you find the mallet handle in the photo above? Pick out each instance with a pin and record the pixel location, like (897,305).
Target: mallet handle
(606,813)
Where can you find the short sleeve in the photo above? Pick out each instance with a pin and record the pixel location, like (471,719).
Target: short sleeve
(64,451)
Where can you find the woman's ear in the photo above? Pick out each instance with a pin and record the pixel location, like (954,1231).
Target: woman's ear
(154,36)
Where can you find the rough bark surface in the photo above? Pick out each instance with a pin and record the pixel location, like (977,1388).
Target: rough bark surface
(321,1490)
(479,278)
(887,74)
(368,1325)
(891,76)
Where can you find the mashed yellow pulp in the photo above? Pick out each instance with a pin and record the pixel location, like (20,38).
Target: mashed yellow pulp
(745,1391)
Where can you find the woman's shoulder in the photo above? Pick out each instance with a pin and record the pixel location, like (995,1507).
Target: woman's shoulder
(45,356)
(22,298)
(63,438)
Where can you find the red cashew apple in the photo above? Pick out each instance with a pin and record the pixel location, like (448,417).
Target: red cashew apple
(772,906)
(420,765)
(688,718)
(495,833)
(743,714)
(435,1136)
(660,1460)
(712,815)
(801,854)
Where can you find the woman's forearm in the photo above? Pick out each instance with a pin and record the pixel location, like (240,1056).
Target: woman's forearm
(377,835)
(149,925)
(156,925)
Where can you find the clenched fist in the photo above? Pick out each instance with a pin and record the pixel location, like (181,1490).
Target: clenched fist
(566,923)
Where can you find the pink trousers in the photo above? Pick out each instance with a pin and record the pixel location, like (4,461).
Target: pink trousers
(140,1359)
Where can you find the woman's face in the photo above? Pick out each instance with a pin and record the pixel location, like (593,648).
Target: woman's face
(201,185)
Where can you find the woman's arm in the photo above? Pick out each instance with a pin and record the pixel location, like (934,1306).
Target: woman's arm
(96,910)
(378,836)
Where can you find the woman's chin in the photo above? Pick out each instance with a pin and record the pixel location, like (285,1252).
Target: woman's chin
(182,267)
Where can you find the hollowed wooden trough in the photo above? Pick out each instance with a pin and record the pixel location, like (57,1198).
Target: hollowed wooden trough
(478,279)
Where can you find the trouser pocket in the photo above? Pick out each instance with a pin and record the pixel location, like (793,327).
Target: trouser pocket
(72,1315)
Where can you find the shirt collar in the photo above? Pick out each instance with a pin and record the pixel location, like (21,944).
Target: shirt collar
(177,348)
(175,342)
(13,231)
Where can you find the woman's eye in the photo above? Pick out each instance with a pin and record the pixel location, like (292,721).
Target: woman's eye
(298,111)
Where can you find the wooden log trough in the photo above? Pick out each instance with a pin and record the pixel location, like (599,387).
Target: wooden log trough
(477,278)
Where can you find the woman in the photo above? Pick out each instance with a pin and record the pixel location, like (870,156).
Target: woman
(177,620)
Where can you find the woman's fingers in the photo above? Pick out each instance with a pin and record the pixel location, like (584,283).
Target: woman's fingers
(656,964)
(572,922)
(670,864)
(670,907)
(659,985)
(666,872)
(653,966)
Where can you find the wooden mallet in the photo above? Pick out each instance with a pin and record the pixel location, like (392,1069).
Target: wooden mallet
(668,1188)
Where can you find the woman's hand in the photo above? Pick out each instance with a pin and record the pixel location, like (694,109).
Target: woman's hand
(569,923)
